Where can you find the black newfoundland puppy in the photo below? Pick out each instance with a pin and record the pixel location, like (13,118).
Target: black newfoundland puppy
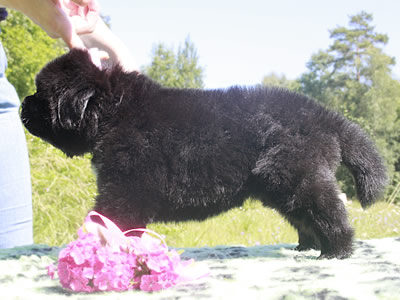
(167,154)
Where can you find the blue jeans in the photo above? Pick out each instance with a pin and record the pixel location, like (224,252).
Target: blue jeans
(15,183)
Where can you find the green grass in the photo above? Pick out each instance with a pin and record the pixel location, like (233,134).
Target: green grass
(250,225)
(254,224)
(64,189)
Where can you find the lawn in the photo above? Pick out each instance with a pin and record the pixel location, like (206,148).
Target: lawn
(64,189)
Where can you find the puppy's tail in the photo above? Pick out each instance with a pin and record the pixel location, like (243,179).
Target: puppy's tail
(361,157)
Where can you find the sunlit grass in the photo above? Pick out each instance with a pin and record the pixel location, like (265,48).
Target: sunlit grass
(254,224)
(380,220)
(64,189)
(250,225)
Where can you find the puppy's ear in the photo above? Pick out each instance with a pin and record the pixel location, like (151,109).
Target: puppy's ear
(72,106)
(72,85)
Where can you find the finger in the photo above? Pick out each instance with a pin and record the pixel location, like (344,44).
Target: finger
(92,19)
(94,6)
(73,40)
(76,42)
(84,19)
(84,26)
(103,55)
(82,2)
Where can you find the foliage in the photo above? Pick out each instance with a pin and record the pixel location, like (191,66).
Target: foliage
(274,79)
(250,225)
(28,49)
(63,191)
(354,77)
(179,70)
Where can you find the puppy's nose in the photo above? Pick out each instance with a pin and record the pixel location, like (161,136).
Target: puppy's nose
(27,109)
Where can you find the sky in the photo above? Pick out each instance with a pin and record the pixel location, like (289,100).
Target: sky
(240,41)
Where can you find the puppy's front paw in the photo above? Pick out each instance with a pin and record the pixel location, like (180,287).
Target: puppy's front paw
(338,255)
(306,247)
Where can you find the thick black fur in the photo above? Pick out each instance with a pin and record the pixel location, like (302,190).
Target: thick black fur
(164,154)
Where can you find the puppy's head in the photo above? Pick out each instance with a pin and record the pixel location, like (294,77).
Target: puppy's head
(64,111)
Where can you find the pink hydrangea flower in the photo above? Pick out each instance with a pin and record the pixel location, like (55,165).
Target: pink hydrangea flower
(50,271)
(104,259)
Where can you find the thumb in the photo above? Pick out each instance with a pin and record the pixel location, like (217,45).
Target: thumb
(82,2)
(71,38)
(66,29)
(74,41)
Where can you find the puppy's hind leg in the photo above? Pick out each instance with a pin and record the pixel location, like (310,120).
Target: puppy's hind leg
(297,217)
(322,214)
(314,209)
(306,194)
(307,238)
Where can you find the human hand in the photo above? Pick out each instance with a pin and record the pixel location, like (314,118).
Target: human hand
(65,19)
(73,18)
(83,15)
(111,47)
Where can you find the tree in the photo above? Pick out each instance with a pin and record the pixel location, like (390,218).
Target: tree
(176,70)
(274,79)
(28,49)
(351,47)
(354,76)
(342,75)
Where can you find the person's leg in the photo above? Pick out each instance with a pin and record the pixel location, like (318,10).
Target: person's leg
(15,184)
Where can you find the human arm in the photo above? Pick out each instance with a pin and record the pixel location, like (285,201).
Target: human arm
(103,38)
(78,23)
(58,18)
